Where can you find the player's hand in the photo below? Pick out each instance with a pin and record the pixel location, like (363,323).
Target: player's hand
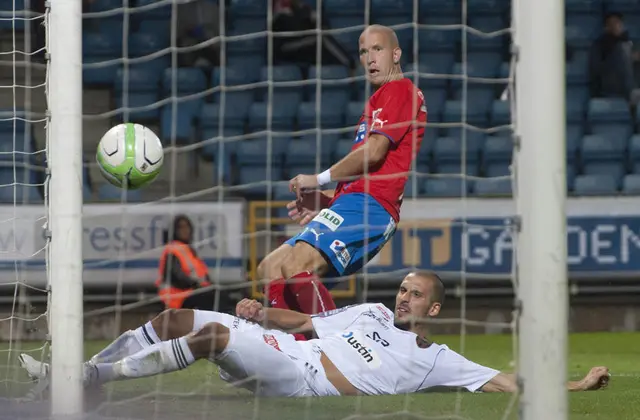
(307,206)
(302,183)
(250,309)
(597,378)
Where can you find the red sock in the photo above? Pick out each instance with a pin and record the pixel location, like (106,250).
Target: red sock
(310,294)
(275,292)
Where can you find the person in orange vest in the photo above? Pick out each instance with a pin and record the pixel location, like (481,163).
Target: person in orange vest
(181,271)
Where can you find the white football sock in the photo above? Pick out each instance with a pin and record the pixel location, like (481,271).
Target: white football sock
(164,357)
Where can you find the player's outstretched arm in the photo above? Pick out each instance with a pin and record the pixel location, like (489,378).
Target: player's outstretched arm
(597,378)
(274,318)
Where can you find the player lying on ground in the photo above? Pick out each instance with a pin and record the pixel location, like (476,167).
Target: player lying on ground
(350,225)
(360,349)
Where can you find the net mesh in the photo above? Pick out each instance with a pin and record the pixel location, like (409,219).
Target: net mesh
(241,108)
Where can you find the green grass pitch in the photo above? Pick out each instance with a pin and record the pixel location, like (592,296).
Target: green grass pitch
(198,393)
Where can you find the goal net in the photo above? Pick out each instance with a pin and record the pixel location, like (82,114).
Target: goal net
(245,95)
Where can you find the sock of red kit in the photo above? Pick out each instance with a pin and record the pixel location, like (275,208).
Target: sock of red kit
(280,298)
(310,294)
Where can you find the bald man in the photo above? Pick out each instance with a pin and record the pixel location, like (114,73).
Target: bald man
(345,228)
(362,349)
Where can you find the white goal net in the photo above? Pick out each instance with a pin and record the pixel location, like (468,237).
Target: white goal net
(245,95)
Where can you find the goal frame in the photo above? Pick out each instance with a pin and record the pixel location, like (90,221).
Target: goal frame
(64,159)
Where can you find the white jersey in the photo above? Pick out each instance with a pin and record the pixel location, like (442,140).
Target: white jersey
(378,358)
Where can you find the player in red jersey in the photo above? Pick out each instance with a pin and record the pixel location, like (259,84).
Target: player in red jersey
(347,227)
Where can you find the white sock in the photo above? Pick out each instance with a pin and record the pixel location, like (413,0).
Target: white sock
(146,335)
(164,357)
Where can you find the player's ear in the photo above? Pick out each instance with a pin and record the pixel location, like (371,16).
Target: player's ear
(397,53)
(434,310)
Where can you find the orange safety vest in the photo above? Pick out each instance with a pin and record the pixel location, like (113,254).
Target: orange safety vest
(190,264)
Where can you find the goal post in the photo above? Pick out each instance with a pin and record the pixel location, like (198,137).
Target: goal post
(540,200)
(64,93)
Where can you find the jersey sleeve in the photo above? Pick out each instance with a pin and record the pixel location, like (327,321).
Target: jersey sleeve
(394,111)
(454,370)
(334,321)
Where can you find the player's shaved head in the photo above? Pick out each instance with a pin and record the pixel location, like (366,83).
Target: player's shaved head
(435,283)
(388,33)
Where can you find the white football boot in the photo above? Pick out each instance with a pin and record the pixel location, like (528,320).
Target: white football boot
(35,369)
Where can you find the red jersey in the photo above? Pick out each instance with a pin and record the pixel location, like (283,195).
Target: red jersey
(398,112)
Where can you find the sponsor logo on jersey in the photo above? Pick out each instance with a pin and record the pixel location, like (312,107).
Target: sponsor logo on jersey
(357,342)
(332,312)
(329,218)
(271,340)
(236,323)
(342,253)
(376,121)
(374,315)
(384,312)
(376,337)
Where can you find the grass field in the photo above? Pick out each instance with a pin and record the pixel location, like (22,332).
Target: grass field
(198,393)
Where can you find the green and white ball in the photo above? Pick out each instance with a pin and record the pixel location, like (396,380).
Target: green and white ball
(130,156)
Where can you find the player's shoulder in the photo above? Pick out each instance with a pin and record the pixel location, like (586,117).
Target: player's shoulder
(339,310)
(399,89)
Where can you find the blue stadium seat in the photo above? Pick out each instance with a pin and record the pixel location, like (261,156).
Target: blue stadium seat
(487,7)
(97,49)
(472,136)
(492,187)
(470,169)
(453,113)
(435,100)
(488,24)
(593,185)
(355,111)
(499,169)
(478,96)
(19,194)
(244,46)
(142,45)
(613,169)
(574,133)
(592,24)
(280,192)
(348,38)
(614,132)
(20,149)
(571,176)
(182,125)
(578,36)
(136,80)
(631,184)
(597,148)
(334,80)
(157,28)
(483,65)
(344,8)
(445,187)
(609,115)
(342,148)
(307,151)
(282,74)
(249,25)
(621,6)
(243,8)
(330,117)
(107,192)
(249,63)
(413,188)
(437,40)
(257,151)
(497,149)
(500,113)
(437,8)
(253,181)
(282,116)
(8,6)
(575,7)
(634,148)
(485,43)
(436,76)
(234,116)
(136,101)
(450,150)
(576,106)
(187,81)
(576,74)
(104,5)
(234,75)
(159,12)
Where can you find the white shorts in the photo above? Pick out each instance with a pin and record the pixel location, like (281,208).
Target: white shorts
(267,362)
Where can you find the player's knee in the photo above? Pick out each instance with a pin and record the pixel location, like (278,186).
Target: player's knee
(173,323)
(270,267)
(209,341)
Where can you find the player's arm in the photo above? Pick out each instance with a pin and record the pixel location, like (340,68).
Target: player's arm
(597,378)
(357,162)
(274,318)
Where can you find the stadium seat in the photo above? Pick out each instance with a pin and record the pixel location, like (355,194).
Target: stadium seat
(576,7)
(574,133)
(614,169)
(235,115)
(428,76)
(492,187)
(253,181)
(260,151)
(330,117)
(342,148)
(136,80)
(136,101)
(438,8)
(107,192)
(634,148)
(500,113)
(484,43)
(621,6)
(498,169)
(234,75)
(282,74)
(344,8)
(413,188)
(334,78)
(608,110)
(437,40)
(104,5)
(187,81)
(97,49)
(282,116)
(355,110)
(158,28)
(182,125)
(307,151)
(600,148)
(160,12)
(497,149)
(453,113)
(141,45)
(243,8)
(576,107)
(469,169)
(590,185)
(249,63)
(488,7)
(249,25)
(244,46)
(349,35)
(444,187)
(19,149)
(578,36)
(631,184)
(453,150)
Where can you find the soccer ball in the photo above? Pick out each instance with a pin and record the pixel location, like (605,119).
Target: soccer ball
(130,156)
